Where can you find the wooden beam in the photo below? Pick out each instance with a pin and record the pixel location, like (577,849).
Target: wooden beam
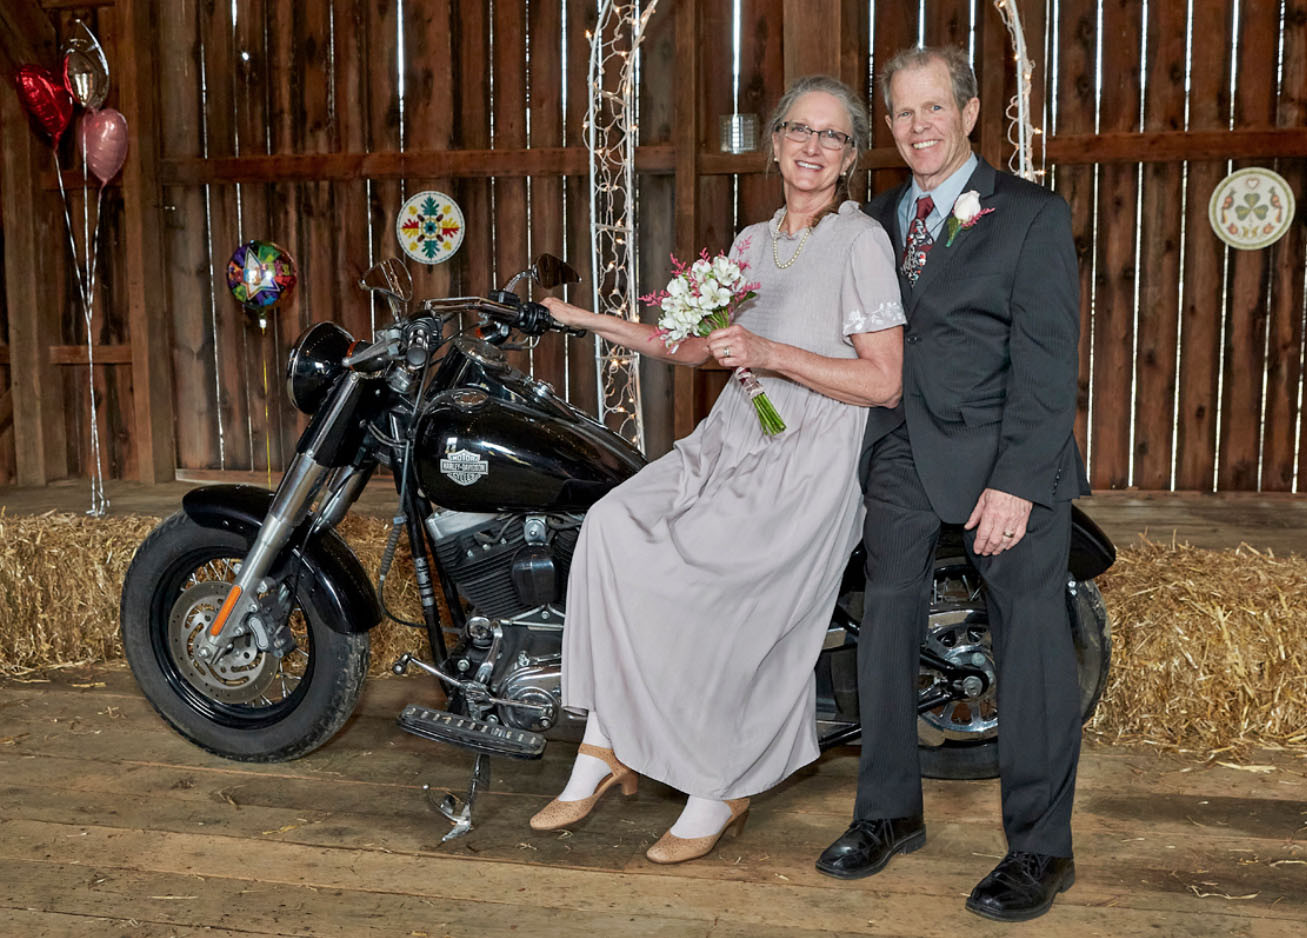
(811,38)
(151,333)
(27,36)
(1171,146)
(33,225)
(104,355)
(6,410)
(348,167)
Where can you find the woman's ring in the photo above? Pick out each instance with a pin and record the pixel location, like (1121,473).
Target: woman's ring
(1009,533)
(726,352)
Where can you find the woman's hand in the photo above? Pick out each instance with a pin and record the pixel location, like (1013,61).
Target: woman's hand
(737,347)
(568,315)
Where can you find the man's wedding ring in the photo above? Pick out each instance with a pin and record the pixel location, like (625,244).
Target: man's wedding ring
(726,352)
(1009,533)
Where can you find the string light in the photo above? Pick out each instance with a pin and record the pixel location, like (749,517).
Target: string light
(1020,128)
(612,132)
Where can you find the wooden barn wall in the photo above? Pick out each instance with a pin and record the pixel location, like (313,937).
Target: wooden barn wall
(1191,352)
(309,123)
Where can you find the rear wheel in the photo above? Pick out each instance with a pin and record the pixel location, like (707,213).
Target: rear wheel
(247,704)
(959,739)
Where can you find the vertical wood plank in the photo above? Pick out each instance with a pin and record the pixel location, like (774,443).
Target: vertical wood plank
(1159,269)
(429,123)
(30,222)
(762,48)
(1245,336)
(510,105)
(1202,309)
(894,32)
(1284,417)
(813,44)
(185,243)
(151,339)
(1113,313)
(382,92)
(1075,97)
(472,63)
(233,377)
(544,28)
(686,136)
(581,351)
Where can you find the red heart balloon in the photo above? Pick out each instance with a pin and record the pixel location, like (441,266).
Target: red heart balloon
(104,140)
(46,99)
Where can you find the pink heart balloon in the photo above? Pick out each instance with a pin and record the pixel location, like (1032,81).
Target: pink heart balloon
(104,138)
(46,98)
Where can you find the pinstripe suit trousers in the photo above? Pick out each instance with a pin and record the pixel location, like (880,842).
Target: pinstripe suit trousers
(1038,695)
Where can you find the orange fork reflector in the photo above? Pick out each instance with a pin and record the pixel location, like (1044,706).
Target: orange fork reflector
(225,611)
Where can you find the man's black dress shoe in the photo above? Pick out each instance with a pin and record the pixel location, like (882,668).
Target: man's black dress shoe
(1022,886)
(868,844)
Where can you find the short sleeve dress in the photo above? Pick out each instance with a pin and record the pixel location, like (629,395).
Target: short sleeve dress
(702,587)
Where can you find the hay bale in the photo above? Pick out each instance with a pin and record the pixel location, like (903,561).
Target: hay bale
(1208,654)
(61,577)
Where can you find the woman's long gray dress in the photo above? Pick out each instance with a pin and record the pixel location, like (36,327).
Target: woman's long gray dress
(701,588)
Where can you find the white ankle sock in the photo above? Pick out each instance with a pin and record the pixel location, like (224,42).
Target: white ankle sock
(587,771)
(702,817)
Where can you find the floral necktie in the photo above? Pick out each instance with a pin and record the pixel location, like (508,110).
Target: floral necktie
(919,241)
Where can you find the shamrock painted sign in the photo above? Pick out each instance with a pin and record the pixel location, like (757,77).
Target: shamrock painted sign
(1251,208)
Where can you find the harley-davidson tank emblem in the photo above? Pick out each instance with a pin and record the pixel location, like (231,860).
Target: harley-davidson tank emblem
(464,467)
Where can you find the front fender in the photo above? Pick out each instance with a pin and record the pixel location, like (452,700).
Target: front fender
(338,583)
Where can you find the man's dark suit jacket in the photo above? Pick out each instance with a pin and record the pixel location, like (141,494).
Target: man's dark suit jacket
(990,351)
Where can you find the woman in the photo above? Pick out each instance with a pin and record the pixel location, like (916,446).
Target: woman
(702,587)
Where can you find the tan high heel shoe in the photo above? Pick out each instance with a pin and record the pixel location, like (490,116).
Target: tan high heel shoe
(673,849)
(558,814)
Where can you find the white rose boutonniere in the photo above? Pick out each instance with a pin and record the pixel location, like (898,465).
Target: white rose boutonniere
(966,212)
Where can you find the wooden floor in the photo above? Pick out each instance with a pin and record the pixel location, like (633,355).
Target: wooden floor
(110,825)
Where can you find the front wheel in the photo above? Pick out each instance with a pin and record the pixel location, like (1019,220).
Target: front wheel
(247,705)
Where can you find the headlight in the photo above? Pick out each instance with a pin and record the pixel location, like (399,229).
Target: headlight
(315,364)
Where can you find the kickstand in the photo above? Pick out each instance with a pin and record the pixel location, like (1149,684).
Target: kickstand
(461,817)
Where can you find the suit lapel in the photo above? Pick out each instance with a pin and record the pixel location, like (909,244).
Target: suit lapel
(982,180)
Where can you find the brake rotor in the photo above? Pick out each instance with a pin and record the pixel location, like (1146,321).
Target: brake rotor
(240,674)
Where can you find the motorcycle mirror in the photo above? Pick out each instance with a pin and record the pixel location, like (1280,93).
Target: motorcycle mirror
(389,277)
(549,271)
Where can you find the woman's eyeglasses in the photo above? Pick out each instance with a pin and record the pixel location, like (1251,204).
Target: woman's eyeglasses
(829,139)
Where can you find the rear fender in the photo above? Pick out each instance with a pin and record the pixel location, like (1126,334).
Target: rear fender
(339,584)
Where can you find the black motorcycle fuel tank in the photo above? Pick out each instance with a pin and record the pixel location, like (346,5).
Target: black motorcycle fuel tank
(504,447)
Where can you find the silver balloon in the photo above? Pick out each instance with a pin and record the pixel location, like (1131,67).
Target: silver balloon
(86,70)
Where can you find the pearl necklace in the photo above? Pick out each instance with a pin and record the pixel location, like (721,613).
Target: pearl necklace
(775,237)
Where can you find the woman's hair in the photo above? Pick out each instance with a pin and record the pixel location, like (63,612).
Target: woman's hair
(853,106)
(955,60)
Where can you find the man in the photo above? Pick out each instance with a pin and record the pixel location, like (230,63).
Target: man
(983,437)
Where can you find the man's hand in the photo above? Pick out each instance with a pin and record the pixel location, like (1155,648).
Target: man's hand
(1000,521)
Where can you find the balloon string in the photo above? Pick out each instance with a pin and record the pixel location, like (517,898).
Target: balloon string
(99,504)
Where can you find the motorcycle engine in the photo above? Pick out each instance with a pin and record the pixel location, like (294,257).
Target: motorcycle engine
(512,568)
(506,565)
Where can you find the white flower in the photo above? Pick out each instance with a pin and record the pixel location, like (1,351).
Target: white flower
(678,287)
(701,268)
(713,296)
(967,206)
(726,270)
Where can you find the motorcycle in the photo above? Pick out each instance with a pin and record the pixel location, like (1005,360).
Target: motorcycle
(245,615)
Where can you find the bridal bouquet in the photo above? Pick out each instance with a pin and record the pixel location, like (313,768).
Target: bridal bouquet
(704,296)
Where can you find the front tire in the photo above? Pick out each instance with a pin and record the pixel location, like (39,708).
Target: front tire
(247,705)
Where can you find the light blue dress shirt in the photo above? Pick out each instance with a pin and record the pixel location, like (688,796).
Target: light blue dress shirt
(945,194)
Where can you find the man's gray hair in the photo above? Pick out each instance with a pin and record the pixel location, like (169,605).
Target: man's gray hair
(955,60)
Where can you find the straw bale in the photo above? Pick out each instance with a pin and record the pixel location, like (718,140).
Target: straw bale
(61,577)
(1209,651)
(1209,647)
